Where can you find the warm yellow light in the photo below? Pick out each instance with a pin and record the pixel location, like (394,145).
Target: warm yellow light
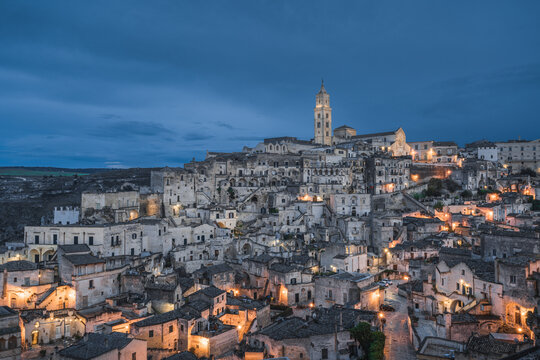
(307,197)
(311,305)
(239,327)
(405,278)
(381,315)
(520,329)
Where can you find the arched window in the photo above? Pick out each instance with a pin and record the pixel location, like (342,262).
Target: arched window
(12,342)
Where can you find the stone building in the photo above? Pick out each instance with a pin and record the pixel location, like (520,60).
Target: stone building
(125,205)
(323,335)
(10,334)
(103,347)
(168,332)
(353,289)
(323,118)
(351,204)
(517,155)
(462,282)
(103,239)
(21,281)
(387,174)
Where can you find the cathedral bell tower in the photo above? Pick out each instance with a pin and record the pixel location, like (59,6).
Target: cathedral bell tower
(323,118)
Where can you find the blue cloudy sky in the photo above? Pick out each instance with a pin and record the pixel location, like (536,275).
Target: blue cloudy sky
(154,83)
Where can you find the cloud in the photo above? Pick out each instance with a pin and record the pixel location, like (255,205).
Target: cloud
(225,125)
(247,138)
(129,129)
(197,136)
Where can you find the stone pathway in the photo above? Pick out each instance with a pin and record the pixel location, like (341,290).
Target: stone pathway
(397,344)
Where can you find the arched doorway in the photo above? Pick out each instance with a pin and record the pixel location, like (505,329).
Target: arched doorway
(455,306)
(35,337)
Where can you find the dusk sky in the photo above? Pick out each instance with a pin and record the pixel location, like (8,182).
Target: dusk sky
(155,83)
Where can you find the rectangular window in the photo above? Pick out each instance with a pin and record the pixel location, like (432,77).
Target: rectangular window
(324,353)
(457,286)
(512,279)
(133,356)
(36,239)
(90,240)
(170,328)
(75,239)
(151,333)
(55,239)
(91,284)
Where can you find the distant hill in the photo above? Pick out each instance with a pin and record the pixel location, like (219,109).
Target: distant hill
(46,171)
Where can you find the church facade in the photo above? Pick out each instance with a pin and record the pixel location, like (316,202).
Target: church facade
(393,142)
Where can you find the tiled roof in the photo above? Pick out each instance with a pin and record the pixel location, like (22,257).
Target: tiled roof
(83,259)
(324,322)
(210,291)
(74,248)
(182,313)
(463,318)
(184,355)
(95,344)
(214,269)
(7,311)
(488,345)
(19,265)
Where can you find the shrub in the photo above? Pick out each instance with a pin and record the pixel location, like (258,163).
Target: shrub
(376,349)
(362,334)
(438,206)
(434,187)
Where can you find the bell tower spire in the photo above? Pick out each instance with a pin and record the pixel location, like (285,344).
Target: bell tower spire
(323,117)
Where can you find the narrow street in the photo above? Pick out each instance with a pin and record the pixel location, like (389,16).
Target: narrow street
(397,344)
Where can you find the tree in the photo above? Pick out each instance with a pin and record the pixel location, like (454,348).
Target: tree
(434,187)
(372,342)
(362,334)
(376,348)
(438,206)
(466,194)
